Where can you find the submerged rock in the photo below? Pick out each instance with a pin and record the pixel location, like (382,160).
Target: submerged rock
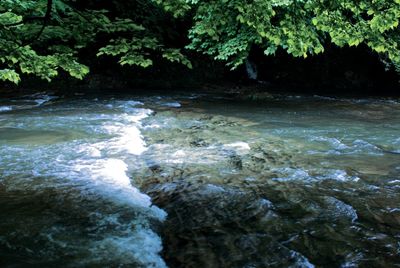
(217,226)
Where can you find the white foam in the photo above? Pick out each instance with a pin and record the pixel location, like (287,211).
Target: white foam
(301,261)
(394,210)
(364,145)
(142,246)
(172,104)
(132,103)
(293,174)
(115,170)
(128,136)
(341,209)
(324,98)
(152,126)
(213,189)
(136,244)
(243,146)
(334,142)
(94,169)
(5,108)
(338,175)
(179,153)
(339,147)
(110,171)
(130,140)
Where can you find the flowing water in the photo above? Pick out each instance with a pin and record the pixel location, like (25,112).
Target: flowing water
(199,181)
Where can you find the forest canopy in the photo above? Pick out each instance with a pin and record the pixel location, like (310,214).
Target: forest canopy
(43,37)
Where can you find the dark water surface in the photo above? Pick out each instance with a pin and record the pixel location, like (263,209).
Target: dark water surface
(199,181)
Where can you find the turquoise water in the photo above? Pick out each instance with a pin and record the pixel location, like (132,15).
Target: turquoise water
(186,180)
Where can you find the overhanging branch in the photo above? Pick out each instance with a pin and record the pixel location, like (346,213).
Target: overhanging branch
(46,20)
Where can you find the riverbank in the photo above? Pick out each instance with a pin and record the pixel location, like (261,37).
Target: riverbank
(345,72)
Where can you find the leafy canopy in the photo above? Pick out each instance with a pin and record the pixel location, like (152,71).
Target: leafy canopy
(228,29)
(41,37)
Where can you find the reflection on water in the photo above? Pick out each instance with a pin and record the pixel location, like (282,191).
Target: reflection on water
(291,182)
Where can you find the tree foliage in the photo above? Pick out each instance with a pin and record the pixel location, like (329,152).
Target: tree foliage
(228,29)
(41,37)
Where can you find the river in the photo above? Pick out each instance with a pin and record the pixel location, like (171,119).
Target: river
(199,180)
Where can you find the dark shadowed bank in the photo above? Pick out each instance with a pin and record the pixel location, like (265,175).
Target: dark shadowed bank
(337,72)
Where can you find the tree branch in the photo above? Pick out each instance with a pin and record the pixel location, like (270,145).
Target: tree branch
(46,19)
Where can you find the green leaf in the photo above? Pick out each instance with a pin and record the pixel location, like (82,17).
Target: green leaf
(10,75)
